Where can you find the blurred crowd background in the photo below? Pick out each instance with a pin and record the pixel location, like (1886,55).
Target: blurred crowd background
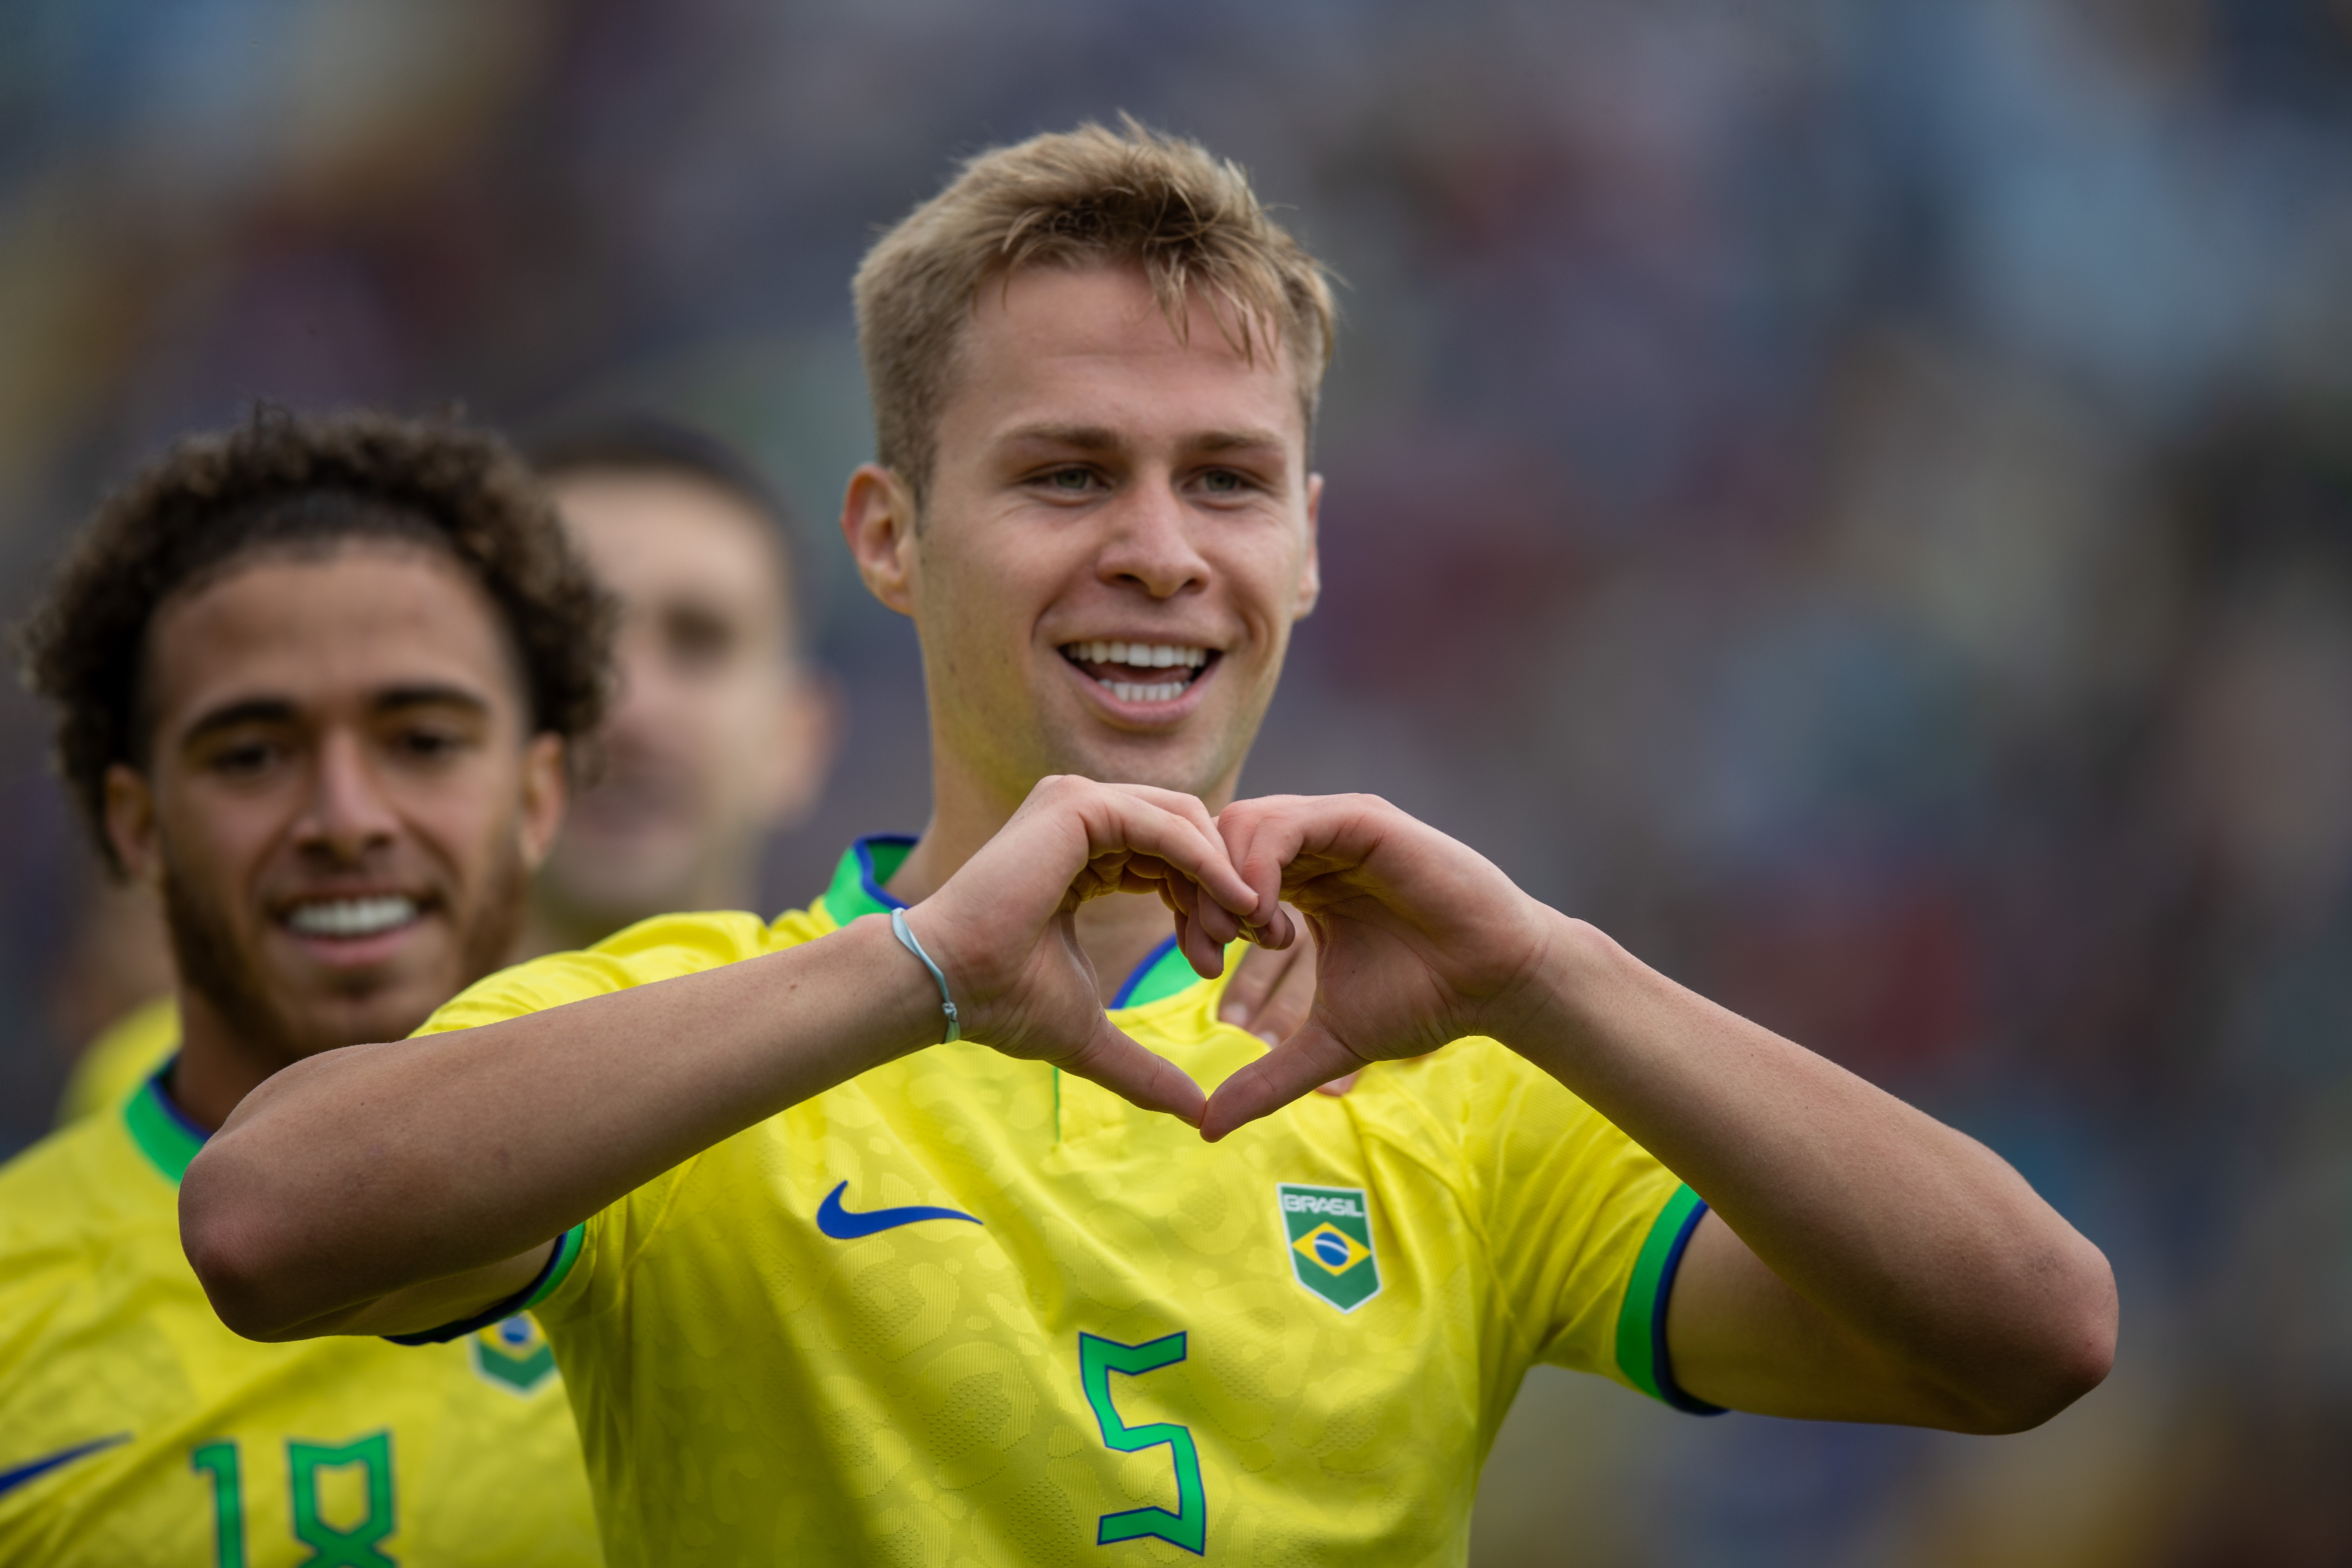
(1853,496)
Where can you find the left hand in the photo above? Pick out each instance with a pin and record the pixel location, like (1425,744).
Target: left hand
(1418,940)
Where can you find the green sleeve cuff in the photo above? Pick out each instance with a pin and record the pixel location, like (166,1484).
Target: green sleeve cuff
(550,1274)
(1642,1320)
(567,1253)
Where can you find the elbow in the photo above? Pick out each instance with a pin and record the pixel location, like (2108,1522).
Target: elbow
(2066,1349)
(235,1245)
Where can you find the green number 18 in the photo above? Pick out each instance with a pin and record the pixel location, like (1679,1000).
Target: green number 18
(329,1547)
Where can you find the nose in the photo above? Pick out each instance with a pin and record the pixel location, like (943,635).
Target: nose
(1150,545)
(347,814)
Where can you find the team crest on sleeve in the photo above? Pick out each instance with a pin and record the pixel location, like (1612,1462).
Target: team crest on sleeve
(1329,1233)
(513,1354)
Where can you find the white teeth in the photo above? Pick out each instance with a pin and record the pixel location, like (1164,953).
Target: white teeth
(1141,655)
(1128,691)
(353,917)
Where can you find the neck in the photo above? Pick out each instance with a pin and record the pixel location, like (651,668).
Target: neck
(217,1065)
(1115,932)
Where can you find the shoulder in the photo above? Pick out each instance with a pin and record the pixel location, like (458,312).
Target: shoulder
(662,948)
(111,1066)
(70,1188)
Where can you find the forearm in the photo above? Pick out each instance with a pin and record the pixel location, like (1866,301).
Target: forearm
(377,1169)
(1965,1299)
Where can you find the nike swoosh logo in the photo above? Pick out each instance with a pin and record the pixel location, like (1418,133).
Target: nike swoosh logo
(843,1225)
(11,1480)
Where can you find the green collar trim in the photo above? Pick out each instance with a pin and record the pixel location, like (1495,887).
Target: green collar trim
(858,889)
(1164,972)
(160,1129)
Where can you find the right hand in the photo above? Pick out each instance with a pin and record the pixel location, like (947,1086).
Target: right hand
(1001,931)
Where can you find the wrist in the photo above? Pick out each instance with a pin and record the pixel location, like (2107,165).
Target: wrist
(908,1011)
(1555,1005)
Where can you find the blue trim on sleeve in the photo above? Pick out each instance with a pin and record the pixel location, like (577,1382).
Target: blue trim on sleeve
(560,1256)
(1661,1359)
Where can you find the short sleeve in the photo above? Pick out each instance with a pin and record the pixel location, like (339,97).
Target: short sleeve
(1586,1228)
(661,948)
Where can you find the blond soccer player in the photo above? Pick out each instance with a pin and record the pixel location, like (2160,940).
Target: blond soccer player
(902,1228)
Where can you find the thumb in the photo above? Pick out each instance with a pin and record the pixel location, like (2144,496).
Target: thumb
(1310,1058)
(1115,1061)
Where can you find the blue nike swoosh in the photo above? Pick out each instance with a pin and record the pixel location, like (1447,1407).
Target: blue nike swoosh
(11,1480)
(843,1225)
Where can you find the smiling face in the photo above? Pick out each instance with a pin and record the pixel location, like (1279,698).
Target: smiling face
(1118,535)
(341,806)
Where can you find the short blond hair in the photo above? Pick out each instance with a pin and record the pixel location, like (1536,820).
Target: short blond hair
(1088,197)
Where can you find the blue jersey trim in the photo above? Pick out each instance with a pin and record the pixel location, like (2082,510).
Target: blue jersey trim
(550,1274)
(1662,1358)
(1142,972)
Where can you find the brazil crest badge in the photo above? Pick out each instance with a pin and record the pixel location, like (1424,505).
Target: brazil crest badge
(1329,1232)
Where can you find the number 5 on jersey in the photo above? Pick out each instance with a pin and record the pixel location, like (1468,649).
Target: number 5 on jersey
(1188,1526)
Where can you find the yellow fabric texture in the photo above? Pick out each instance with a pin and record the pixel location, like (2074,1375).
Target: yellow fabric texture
(213,1449)
(753,1390)
(125,1055)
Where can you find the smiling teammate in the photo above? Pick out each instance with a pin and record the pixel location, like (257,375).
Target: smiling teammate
(315,683)
(847,1291)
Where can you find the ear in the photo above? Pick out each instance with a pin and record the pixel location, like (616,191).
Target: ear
(130,824)
(806,735)
(545,793)
(1310,571)
(877,519)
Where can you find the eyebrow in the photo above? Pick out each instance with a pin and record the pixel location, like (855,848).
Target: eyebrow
(281,710)
(1101,439)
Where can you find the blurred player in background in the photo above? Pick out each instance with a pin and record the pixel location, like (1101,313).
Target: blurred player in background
(825,1276)
(317,683)
(718,733)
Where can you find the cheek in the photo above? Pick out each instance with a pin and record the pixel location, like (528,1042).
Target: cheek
(218,835)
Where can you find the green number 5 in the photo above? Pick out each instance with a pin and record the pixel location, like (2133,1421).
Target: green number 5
(1188,1526)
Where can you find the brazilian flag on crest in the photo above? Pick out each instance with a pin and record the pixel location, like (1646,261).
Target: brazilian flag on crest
(1330,1231)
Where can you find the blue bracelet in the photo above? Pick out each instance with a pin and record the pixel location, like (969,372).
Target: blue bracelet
(947,1003)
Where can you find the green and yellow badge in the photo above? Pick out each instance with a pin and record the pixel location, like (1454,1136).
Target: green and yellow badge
(1330,1235)
(513,1354)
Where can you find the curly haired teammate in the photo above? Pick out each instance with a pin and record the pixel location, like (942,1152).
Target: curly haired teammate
(822,1284)
(315,683)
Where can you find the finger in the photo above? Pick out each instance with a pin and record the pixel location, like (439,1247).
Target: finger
(1339,1086)
(1309,1059)
(1186,841)
(1254,978)
(1261,838)
(1293,995)
(1113,1060)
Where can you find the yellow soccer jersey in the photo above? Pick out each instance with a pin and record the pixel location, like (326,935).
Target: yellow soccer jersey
(125,1055)
(136,1429)
(964,1309)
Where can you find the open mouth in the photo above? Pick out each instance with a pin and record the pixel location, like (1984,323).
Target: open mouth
(1141,672)
(352,919)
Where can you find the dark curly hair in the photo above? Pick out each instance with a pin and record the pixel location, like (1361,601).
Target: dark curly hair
(285,482)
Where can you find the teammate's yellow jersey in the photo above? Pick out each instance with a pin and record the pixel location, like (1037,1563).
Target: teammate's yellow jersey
(964,1309)
(136,1429)
(125,1055)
